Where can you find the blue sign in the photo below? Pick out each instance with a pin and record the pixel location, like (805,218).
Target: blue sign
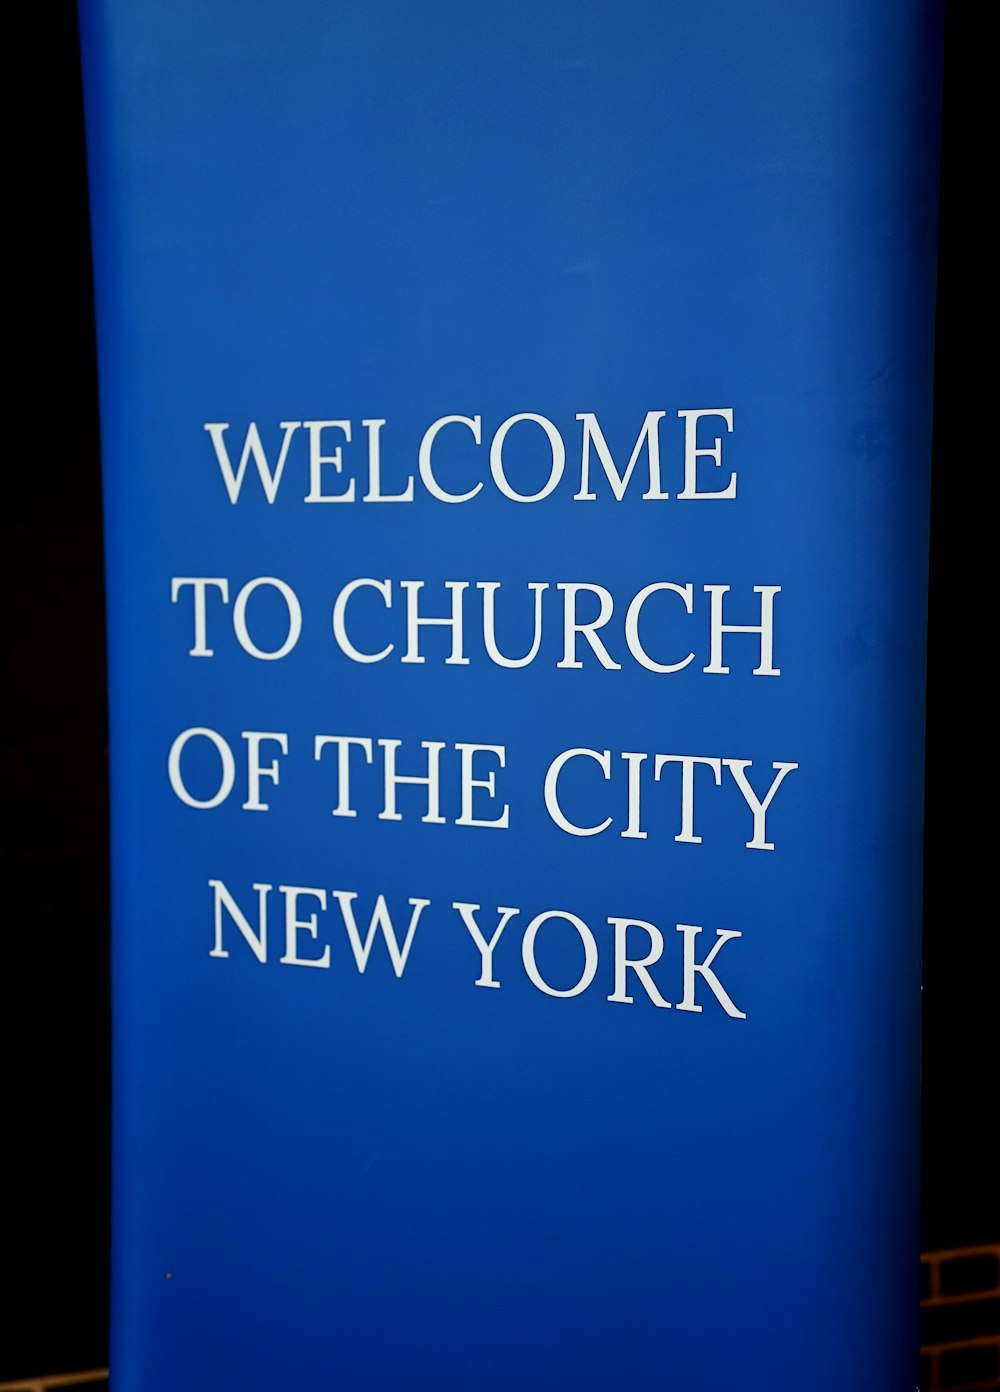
(516,436)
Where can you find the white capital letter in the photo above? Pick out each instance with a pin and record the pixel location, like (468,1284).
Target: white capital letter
(555,470)
(251,447)
(200,585)
(294,618)
(257,942)
(589,953)
(649,434)
(317,459)
(639,965)
(375,494)
(758,841)
(431,780)
(468,753)
(344,745)
(384,588)
(603,760)
(489,589)
(693,969)
(765,628)
(571,627)
(687,763)
(475,424)
(486,949)
(380,920)
(415,621)
(692,454)
(635,647)
(294,925)
(225,757)
(256,771)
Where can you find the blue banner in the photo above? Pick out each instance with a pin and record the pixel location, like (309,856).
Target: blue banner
(516,439)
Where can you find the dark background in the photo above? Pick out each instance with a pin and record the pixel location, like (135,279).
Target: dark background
(54,978)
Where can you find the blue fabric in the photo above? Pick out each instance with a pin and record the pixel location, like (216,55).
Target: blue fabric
(403,212)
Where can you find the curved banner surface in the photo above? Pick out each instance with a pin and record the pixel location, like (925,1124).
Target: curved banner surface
(516,438)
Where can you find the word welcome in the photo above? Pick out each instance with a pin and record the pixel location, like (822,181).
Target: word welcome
(525,446)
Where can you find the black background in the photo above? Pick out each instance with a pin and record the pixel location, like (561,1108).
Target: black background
(54,969)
